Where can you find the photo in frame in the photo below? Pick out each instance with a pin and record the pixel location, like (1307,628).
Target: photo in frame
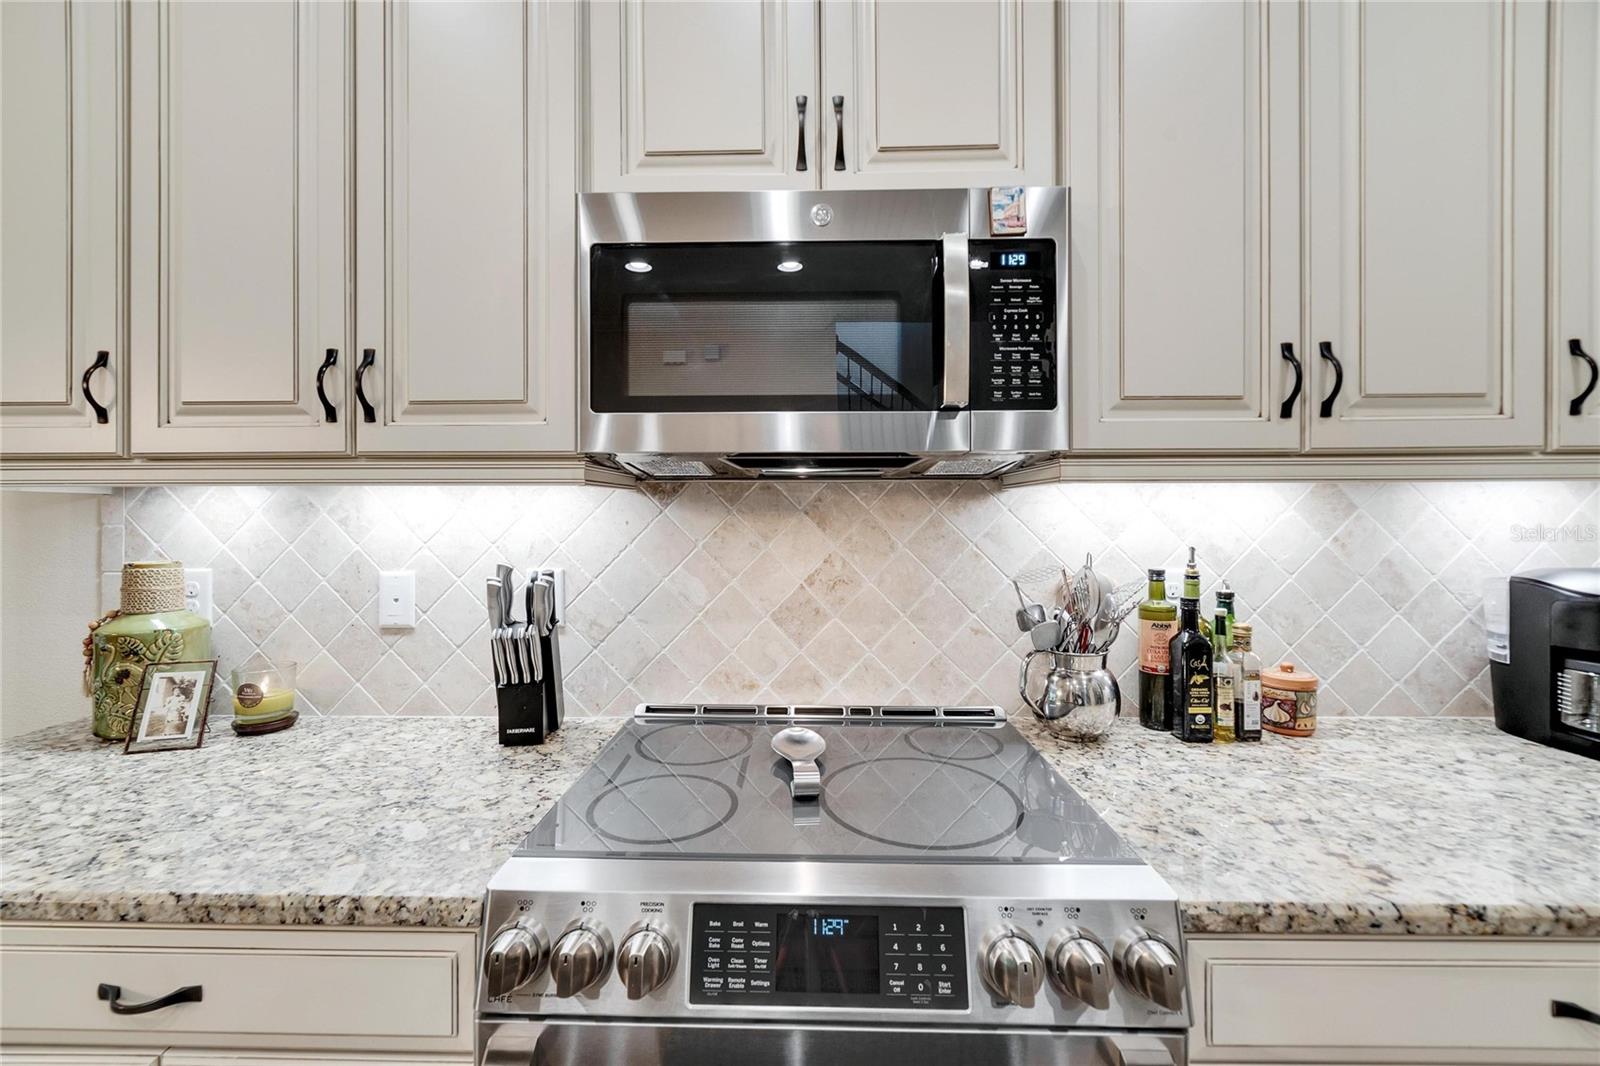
(174,699)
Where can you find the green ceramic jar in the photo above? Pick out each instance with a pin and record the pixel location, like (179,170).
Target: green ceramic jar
(154,627)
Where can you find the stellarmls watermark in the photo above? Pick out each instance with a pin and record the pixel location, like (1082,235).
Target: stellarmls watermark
(1578,532)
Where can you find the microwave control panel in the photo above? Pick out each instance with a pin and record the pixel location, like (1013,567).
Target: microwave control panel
(1013,325)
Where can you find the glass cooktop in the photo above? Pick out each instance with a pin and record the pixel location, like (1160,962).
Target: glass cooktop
(926,792)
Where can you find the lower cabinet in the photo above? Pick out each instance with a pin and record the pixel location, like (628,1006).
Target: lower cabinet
(267,995)
(1458,1000)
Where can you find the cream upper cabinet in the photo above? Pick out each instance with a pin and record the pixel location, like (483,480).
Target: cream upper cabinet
(465,228)
(238,226)
(60,117)
(951,94)
(1575,225)
(703,94)
(1426,216)
(1184,125)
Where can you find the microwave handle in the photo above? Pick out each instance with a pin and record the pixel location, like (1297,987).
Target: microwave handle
(955,392)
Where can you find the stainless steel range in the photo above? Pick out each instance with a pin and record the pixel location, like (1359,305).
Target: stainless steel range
(917,884)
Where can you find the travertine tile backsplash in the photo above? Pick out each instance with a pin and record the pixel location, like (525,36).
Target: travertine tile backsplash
(865,592)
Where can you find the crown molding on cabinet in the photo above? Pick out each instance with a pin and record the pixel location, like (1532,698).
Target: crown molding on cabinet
(561,470)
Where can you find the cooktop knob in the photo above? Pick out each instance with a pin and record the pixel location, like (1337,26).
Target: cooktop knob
(645,960)
(1080,967)
(1011,967)
(516,955)
(1148,965)
(580,958)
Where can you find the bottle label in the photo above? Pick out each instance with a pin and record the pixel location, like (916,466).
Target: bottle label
(1224,703)
(1155,636)
(1250,717)
(1199,695)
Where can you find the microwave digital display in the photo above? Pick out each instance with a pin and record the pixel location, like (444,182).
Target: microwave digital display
(1016,260)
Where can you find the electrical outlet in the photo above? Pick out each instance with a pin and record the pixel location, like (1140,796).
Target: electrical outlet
(397,599)
(197,591)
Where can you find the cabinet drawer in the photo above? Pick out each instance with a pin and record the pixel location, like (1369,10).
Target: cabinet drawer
(1442,996)
(322,985)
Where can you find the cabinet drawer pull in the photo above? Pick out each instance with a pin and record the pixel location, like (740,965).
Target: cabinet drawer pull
(1575,346)
(838,133)
(1560,1008)
(1325,349)
(328,412)
(367,412)
(800,157)
(1287,351)
(112,994)
(103,360)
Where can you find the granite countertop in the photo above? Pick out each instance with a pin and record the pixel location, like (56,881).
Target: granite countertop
(1419,826)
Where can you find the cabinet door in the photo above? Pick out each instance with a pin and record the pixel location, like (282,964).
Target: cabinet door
(918,95)
(1184,168)
(1575,223)
(239,136)
(703,94)
(465,230)
(1426,200)
(59,151)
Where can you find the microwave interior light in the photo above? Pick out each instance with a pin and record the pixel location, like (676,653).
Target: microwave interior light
(638,266)
(790,266)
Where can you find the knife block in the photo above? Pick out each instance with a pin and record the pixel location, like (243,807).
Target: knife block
(523,716)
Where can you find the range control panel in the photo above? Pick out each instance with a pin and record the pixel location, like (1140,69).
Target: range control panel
(1013,336)
(905,958)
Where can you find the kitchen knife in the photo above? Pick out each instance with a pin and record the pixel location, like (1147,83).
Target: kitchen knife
(554,681)
(496,621)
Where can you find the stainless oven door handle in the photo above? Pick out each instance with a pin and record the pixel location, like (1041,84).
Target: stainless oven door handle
(955,393)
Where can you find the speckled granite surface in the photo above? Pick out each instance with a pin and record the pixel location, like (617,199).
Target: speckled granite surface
(1395,826)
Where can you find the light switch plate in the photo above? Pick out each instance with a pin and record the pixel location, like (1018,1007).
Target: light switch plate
(397,599)
(197,591)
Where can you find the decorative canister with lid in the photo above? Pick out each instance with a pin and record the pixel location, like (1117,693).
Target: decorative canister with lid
(1289,701)
(153,626)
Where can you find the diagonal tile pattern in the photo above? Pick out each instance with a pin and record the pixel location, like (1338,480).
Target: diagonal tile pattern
(836,592)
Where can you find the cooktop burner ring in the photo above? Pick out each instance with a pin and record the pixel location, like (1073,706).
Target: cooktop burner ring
(964,735)
(641,746)
(618,786)
(830,781)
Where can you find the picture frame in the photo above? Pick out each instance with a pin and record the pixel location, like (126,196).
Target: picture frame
(174,702)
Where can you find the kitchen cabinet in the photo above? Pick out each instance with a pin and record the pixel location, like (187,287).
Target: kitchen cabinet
(1359,999)
(819,94)
(465,229)
(1575,224)
(239,187)
(1425,209)
(60,150)
(1184,126)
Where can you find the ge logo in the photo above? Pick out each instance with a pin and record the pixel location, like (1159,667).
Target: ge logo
(821,214)
(1140,913)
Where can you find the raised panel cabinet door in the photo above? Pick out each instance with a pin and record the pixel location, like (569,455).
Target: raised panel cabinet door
(465,227)
(703,94)
(1184,162)
(927,95)
(1426,204)
(60,172)
(238,226)
(1575,225)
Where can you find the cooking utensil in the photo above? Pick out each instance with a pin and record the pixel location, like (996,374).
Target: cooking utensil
(1029,615)
(502,673)
(550,647)
(1046,635)
(802,747)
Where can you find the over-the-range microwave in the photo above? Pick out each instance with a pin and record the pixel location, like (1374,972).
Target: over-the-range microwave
(823,334)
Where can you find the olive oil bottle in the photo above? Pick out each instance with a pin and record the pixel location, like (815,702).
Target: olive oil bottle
(1190,690)
(1222,728)
(1246,684)
(1158,621)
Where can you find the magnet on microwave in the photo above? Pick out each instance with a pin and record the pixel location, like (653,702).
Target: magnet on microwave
(1008,211)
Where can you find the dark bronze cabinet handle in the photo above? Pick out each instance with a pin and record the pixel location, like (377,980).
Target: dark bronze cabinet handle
(112,994)
(800,157)
(1560,1008)
(838,133)
(1325,349)
(328,412)
(1286,350)
(103,360)
(367,357)
(1575,346)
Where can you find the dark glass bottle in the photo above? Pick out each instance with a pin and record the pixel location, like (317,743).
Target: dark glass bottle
(1158,620)
(1190,686)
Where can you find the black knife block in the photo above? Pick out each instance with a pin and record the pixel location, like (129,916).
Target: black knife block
(523,715)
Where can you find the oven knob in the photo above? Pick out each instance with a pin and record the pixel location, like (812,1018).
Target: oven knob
(580,958)
(1011,967)
(1148,965)
(644,961)
(1080,967)
(516,955)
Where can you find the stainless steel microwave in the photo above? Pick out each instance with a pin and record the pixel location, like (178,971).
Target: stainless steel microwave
(815,334)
